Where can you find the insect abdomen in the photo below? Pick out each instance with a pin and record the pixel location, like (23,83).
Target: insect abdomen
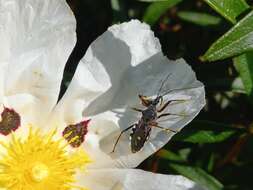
(139,137)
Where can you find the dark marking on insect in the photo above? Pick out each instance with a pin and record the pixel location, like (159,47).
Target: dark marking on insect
(75,134)
(10,121)
(142,129)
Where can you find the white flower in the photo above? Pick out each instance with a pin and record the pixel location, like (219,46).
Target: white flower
(37,37)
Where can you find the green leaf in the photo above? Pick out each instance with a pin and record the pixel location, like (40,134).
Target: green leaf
(203,136)
(238,86)
(230,9)
(202,19)
(205,132)
(236,41)
(152,0)
(244,66)
(157,9)
(119,11)
(211,163)
(115,5)
(194,173)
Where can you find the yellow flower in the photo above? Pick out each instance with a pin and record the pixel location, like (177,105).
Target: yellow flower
(39,162)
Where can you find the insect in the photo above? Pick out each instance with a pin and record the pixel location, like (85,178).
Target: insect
(141,130)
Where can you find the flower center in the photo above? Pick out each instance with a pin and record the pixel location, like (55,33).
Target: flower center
(38,162)
(39,172)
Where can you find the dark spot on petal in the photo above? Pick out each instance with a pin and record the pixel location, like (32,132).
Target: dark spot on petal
(10,121)
(75,134)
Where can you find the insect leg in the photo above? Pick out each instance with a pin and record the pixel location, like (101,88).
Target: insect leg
(137,109)
(164,106)
(161,103)
(114,147)
(167,103)
(145,101)
(165,129)
(166,114)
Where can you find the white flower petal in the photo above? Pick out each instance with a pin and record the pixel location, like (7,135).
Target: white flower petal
(1,84)
(124,62)
(120,48)
(37,37)
(131,179)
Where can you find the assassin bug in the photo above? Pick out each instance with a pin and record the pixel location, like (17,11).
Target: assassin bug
(142,129)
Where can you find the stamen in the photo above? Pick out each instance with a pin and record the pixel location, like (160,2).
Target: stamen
(10,121)
(75,134)
(40,162)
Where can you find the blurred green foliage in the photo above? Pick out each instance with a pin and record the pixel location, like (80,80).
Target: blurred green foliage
(155,10)
(216,38)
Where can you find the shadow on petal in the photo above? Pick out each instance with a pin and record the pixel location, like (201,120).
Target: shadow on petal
(116,60)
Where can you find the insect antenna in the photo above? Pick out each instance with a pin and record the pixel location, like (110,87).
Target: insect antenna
(163,82)
(177,89)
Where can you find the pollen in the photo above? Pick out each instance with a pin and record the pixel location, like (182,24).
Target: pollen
(40,162)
